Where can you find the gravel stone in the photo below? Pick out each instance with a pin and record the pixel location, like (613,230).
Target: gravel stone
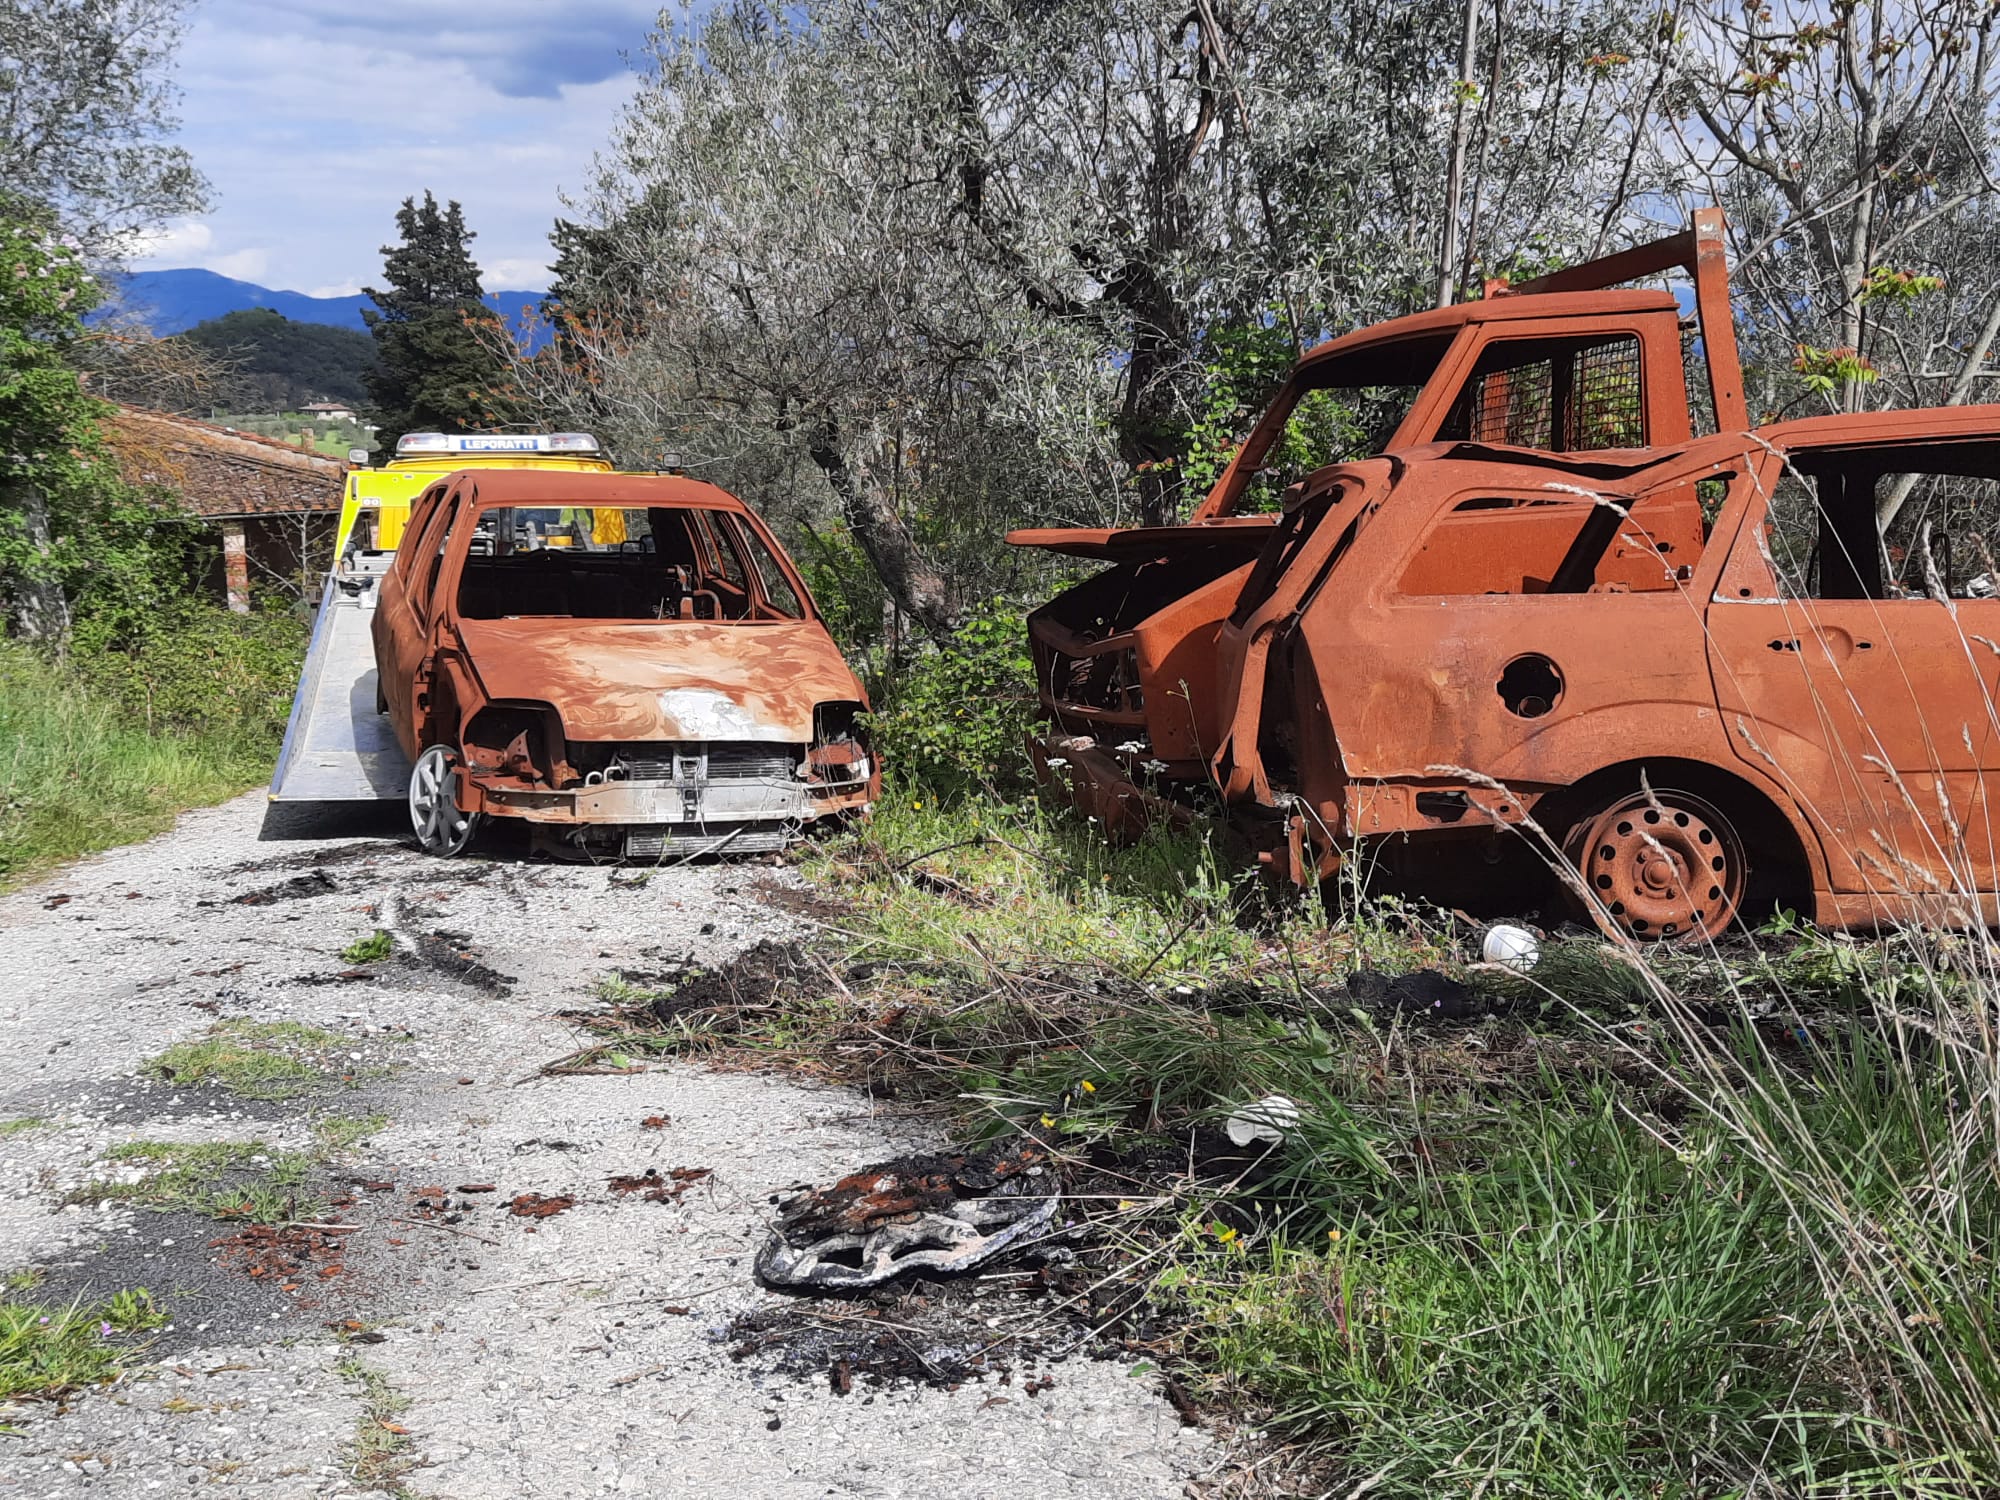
(535,1354)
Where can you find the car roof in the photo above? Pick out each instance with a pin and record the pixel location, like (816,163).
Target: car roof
(1448,320)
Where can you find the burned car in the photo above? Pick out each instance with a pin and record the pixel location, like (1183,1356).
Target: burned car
(1464,651)
(627,663)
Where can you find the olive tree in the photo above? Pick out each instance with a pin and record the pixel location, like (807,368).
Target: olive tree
(87,115)
(944,267)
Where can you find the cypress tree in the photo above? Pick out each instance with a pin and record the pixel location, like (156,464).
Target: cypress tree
(433,371)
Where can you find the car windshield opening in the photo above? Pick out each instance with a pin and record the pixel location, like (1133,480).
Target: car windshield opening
(616,562)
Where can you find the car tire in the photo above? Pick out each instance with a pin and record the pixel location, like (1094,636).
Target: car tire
(1661,865)
(442,828)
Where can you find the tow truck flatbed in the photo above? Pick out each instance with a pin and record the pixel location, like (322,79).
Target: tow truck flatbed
(338,746)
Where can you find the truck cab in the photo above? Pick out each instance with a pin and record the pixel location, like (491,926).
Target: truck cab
(1126,662)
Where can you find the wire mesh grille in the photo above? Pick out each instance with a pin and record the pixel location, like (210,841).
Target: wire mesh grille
(1569,402)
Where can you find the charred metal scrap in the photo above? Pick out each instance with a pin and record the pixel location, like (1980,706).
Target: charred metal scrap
(941,1214)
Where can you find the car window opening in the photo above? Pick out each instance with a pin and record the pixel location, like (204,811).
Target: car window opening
(621,563)
(1825,540)
(1557,395)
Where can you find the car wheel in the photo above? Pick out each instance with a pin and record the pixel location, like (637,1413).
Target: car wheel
(1664,865)
(442,829)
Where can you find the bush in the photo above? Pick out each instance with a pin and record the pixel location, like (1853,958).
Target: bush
(194,669)
(78,773)
(954,720)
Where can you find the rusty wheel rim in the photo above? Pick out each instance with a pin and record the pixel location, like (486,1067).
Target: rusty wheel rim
(1665,866)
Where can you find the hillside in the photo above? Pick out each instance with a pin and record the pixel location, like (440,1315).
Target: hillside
(170,302)
(279,363)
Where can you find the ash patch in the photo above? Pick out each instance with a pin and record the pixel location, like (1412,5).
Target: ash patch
(926,1335)
(452,954)
(122,1103)
(208,1299)
(298,888)
(282,815)
(762,974)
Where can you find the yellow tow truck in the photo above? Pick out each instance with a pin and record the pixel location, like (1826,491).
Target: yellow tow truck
(338,745)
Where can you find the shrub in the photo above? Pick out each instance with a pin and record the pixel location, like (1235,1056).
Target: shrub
(953,722)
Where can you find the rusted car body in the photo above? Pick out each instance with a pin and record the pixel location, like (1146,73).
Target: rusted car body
(629,663)
(1462,643)
(1126,662)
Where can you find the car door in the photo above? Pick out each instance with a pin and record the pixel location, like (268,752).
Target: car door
(1870,696)
(406,615)
(1531,632)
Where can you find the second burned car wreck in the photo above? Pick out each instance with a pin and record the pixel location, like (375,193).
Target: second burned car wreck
(1549,627)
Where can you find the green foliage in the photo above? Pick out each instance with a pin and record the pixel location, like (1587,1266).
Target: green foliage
(954,721)
(219,1179)
(376,946)
(1245,365)
(45,1351)
(1824,371)
(257,1059)
(79,772)
(844,585)
(280,365)
(432,373)
(184,667)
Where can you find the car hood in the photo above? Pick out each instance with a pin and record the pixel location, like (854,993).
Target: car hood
(675,680)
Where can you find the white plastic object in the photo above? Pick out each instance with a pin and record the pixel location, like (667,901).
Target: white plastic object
(1267,1120)
(1515,947)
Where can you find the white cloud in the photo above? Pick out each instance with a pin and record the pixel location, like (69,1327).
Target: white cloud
(181,243)
(314,120)
(515,274)
(338,289)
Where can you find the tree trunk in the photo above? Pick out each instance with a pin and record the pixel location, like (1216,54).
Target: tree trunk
(1454,177)
(916,586)
(36,608)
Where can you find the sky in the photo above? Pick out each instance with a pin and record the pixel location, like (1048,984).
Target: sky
(314,119)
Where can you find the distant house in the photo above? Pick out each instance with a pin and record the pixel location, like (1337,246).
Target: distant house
(274,505)
(328,411)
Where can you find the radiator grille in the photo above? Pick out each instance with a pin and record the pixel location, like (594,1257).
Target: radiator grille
(727,761)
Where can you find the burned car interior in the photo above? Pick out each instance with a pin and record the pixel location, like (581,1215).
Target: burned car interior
(620,563)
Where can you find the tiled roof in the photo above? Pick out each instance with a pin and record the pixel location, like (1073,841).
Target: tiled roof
(217,472)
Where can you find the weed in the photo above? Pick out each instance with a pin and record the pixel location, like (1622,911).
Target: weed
(1691,1223)
(377,946)
(26,1279)
(333,1134)
(257,1059)
(220,1179)
(380,1454)
(20,1126)
(80,771)
(46,1351)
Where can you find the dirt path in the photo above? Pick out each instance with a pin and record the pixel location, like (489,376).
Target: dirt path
(577,1354)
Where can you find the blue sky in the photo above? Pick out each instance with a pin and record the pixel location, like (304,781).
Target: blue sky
(314,120)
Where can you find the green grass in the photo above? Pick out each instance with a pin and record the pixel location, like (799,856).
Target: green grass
(21,1125)
(79,774)
(229,1180)
(1704,1224)
(256,1059)
(381,1452)
(46,1351)
(377,946)
(336,1134)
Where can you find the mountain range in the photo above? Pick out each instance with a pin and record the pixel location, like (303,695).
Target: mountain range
(170,302)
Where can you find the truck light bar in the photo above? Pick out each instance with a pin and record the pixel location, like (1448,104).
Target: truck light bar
(496,442)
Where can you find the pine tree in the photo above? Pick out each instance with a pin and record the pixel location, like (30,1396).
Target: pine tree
(433,371)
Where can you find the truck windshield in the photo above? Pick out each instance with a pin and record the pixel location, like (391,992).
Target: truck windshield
(619,563)
(1331,412)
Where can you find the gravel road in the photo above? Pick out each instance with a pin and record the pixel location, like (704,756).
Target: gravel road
(578,1354)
